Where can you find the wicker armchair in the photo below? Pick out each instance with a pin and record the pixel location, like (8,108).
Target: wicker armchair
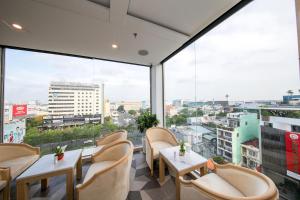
(17,158)
(157,139)
(229,182)
(108,176)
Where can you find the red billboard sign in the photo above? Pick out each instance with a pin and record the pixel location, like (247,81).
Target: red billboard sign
(292,143)
(19,110)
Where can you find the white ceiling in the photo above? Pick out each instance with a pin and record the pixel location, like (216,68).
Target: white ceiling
(85,28)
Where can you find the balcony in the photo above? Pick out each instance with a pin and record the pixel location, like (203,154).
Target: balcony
(110,65)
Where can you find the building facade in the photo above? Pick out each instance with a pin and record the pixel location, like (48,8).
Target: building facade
(67,98)
(250,154)
(278,160)
(131,105)
(240,127)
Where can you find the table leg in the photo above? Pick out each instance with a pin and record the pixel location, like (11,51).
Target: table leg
(6,191)
(79,169)
(161,169)
(177,183)
(44,184)
(70,185)
(22,190)
(202,171)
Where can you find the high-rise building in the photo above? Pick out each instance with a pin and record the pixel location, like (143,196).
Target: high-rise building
(240,127)
(280,142)
(68,98)
(291,99)
(177,102)
(107,108)
(170,110)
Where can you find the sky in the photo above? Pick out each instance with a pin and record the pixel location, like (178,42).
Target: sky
(253,55)
(28,75)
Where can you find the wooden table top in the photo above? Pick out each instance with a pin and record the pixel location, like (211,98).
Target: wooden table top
(182,163)
(46,165)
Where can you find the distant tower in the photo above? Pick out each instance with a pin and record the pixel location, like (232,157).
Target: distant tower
(227,96)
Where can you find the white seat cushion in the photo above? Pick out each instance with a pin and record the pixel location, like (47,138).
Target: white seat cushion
(19,165)
(97,167)
(218,184)
(158,145)
(87,152)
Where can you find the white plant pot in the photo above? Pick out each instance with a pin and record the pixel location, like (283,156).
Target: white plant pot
(144,144)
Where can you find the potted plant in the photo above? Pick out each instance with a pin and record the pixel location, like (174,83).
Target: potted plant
(59,152)
(144,121)
(219,160)
(181,148)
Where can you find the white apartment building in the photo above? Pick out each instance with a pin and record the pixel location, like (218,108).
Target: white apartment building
(68,98)
(239,128)
(250,154)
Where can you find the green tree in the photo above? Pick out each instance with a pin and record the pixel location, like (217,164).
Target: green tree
(180,120)
(121,108)
(197,113)
(146,120)
(132,112)
(222,114)
(34,121)
(107,119)
(185,112)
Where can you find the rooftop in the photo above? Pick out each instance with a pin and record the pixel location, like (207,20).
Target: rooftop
(253,142)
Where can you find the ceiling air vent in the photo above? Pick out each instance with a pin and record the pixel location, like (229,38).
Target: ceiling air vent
(143,52)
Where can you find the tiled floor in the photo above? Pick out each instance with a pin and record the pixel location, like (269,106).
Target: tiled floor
(146,187)
(142,185)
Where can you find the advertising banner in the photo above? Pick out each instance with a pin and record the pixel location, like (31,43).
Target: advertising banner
(292,143)
(14,131)
(19,110)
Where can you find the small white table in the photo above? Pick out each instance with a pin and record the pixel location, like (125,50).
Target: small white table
(180,164)
(45,168)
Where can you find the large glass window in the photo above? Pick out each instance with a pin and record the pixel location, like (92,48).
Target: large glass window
(223,88)
(53,100)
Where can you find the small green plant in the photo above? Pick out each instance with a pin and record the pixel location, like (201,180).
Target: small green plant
(219,160)
(146,120)
(59,151)
(181,148)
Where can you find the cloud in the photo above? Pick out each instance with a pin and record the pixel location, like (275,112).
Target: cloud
(253,55)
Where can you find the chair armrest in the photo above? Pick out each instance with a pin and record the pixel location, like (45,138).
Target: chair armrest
(36,150)
(99,155)
(112,154)
(174,140)
(12,150)
(112,137)
(99,142)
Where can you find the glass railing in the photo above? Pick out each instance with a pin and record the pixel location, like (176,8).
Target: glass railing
(77,137)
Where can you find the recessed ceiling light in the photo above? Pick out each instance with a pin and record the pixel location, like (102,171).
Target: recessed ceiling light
(114,46)
(17,26)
